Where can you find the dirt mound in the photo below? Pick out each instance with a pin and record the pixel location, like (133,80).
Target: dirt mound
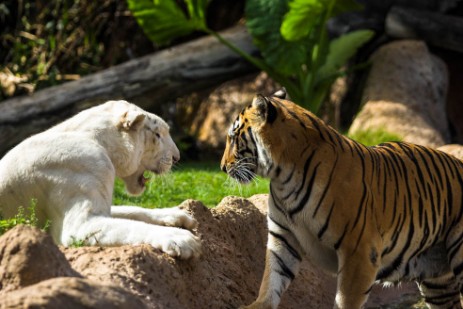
(71,293)
(227,275)
(21,251)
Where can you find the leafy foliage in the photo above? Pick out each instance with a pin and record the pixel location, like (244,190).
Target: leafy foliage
(164,20)
(301,51)
(48,42)
(264,20)
(301,19)
(290,34)
(25,217)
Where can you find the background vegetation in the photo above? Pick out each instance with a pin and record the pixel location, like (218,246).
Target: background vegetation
(292,36)
(46,42)
(24,217)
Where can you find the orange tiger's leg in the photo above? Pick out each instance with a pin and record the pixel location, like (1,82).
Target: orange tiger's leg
(356,276)
(441,292)
(281,266)
(454,245)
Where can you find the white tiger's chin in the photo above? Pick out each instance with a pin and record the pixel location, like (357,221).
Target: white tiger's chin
(135,184)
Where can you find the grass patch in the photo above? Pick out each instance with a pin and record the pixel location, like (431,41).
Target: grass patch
(78,243)
(374,137)
(193,180)
(25,217)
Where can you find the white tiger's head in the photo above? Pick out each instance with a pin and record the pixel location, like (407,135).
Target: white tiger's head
(136,141)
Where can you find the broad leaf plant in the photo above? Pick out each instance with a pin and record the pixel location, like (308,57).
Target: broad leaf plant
(291,35)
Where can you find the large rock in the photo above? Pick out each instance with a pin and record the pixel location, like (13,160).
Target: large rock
(455,150)
(405,94)
(215,113)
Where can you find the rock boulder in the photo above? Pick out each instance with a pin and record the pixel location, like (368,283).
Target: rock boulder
(405,94)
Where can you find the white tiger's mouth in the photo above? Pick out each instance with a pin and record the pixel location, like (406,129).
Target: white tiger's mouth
(136,183)
(144,178)
(147,175)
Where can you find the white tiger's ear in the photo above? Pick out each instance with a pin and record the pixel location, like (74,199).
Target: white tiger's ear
(131,120)
(281,94)
(265,110)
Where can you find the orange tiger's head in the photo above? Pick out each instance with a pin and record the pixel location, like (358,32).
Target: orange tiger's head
(262,136)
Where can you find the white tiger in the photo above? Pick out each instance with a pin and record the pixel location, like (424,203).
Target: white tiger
(70,170)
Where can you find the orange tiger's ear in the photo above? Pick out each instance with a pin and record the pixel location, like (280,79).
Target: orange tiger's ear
(281,94)
(265,110)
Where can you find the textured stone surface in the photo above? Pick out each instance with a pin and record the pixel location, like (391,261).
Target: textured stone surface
(70,293)
(455,150)
(227,275)
(405,94)
(28,256)
(217,111)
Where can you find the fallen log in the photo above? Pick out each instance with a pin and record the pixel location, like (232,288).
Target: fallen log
(435,28)
(149,81)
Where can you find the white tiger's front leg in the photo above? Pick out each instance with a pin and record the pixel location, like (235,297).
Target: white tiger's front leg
(160,216)
(106,231)
(282,264)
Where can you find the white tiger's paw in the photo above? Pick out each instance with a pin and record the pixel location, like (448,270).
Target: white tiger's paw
(174,217)
(178,243)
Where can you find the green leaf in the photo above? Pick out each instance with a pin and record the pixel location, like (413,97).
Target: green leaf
(164,20)
(196,8)
(304,14)
(342,6)
(341,50)
(263,20)
(301,18)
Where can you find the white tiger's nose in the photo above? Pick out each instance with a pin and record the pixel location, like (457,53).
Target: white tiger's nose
(175,158)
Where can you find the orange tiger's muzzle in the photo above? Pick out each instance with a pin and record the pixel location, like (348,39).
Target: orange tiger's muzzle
(227,158)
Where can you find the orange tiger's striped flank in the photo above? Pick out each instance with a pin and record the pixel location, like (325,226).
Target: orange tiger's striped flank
(386,213)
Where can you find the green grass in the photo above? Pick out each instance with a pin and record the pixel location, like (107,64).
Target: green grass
(25,216)
(375,137)
(199,181)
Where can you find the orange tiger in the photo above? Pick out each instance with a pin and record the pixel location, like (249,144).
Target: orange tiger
(386,213)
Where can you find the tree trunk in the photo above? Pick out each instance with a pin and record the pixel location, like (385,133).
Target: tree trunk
(435,28)
(149,82)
